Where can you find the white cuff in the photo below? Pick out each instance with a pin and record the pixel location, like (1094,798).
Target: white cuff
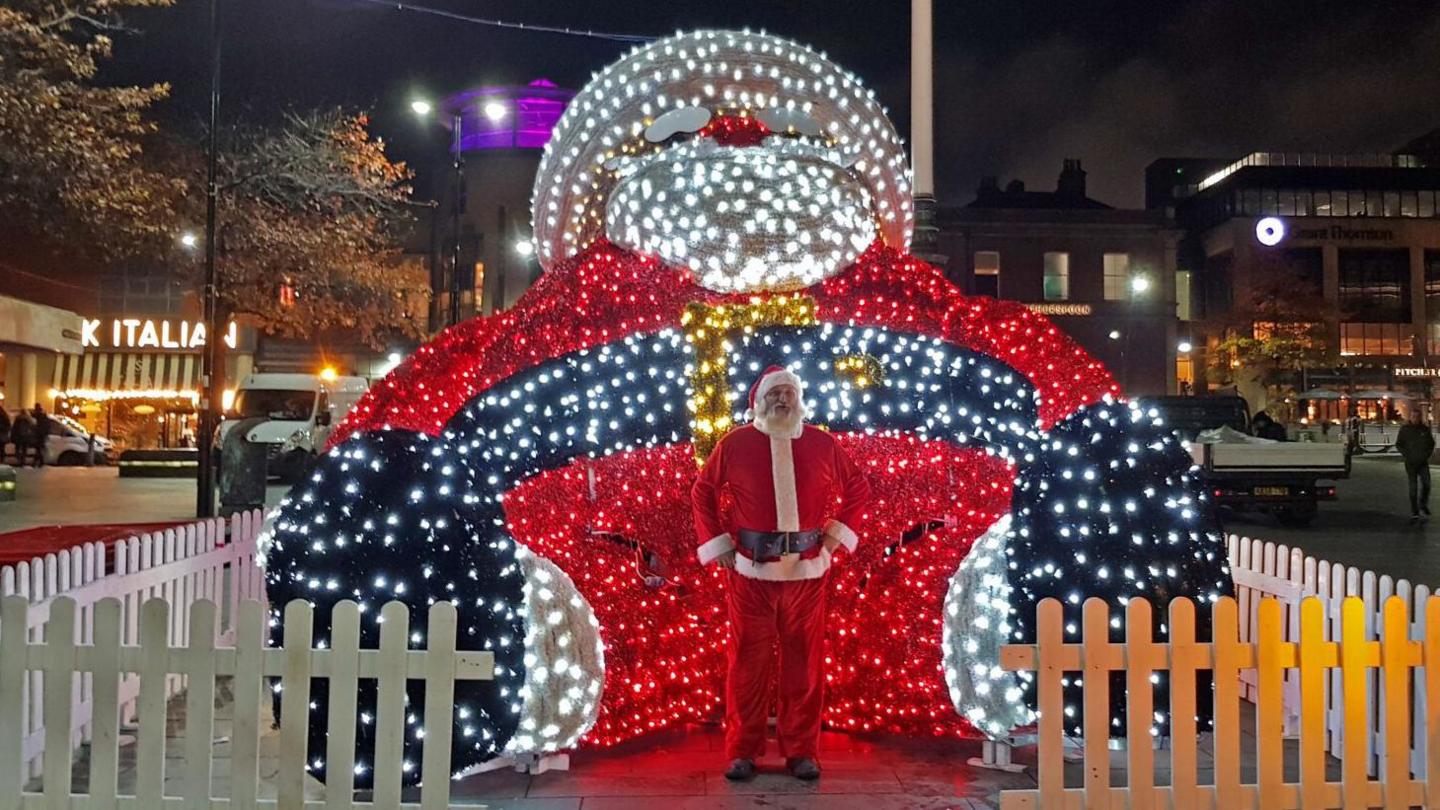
(848,538)
(714,547)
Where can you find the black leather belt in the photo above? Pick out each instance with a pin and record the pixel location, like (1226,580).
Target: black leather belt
(769,546)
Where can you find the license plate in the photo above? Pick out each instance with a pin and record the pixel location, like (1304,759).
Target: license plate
(1272,491)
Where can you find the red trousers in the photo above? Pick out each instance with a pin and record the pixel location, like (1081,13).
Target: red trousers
(762,615)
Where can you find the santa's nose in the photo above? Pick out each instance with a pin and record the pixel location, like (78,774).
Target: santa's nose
(735,130)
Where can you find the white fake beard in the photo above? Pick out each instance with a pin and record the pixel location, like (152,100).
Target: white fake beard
(777,217)
(787,426)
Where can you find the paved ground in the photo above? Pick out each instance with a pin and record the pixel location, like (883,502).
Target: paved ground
(60,495)
(1368,526)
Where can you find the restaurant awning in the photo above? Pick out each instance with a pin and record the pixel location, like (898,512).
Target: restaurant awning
(128,375)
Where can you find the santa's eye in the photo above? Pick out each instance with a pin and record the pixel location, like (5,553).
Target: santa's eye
(685,119)
(785,119)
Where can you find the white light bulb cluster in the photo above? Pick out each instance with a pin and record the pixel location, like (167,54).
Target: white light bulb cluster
(775,217)
(564,661)
(978,607)
(716,71)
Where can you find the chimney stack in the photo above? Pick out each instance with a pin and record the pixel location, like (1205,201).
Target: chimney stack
(1071,186)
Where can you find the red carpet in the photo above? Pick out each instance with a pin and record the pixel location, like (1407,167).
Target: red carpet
(41,540)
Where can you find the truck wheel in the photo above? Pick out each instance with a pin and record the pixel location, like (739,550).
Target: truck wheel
(1298,516)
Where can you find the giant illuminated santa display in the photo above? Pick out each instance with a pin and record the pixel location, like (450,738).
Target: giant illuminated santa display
(712,204)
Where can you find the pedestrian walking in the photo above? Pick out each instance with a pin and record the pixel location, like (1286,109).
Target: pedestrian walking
(4,432)
(1416,443)
(42,433)
(22,434)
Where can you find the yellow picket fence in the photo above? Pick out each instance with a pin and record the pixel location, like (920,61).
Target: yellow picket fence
(1350,660)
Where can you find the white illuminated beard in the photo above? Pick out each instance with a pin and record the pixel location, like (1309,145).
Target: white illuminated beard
(787,426)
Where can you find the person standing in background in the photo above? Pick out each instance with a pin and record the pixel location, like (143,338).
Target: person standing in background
(1416,444)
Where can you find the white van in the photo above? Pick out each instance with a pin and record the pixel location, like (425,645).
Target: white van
(302,409)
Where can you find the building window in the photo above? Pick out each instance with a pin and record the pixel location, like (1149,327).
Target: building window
(1427,203)
(1375,285)
(1117,275)
(1322,203)
(1057,276)
(1393,339)
(1432,285)
(987,273)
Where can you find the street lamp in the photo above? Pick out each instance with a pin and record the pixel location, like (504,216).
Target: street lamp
(189,240)
(524,248)
(495,111)
(423,108)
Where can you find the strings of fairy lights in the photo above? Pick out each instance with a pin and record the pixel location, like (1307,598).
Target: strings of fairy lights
(712,204)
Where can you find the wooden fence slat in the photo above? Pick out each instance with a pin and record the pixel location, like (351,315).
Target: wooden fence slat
(1395,658)
(1432,702)
(1421,712)
(1183,773)
(1269,718)
(14,634)
(105,714)
(440,636)
(59,675)
(390,704)
(1139,704)
(150,709)
(200,705)
(295,704)
(1225,632)
(245,728)
(1354,762)
(344,678)
(1095,636)
(1315,655)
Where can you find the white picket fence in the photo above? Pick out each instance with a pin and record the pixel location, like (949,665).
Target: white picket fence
(180,565)
(62,660)
(1263,569)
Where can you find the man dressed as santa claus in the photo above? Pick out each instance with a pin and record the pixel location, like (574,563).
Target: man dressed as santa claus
(786,478)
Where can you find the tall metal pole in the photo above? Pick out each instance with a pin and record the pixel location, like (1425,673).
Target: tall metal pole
(926,243)
(212,365)
(456,209)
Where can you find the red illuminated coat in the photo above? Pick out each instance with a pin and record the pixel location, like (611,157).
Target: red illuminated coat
(778,483)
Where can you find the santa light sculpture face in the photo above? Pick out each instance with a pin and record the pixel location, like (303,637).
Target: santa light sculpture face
(712,204)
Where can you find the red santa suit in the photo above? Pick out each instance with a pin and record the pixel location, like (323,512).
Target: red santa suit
(780,483)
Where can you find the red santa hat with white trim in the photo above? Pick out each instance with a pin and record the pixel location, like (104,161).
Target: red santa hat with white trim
(769,378)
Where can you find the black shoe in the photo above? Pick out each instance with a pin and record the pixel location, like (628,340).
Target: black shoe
(1415,518)
(804,768)
(1425,510)
(740,770)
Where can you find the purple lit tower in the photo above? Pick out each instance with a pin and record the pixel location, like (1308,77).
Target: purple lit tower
(503,131)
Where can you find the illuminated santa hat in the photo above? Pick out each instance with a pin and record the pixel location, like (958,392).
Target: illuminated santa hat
(769,378)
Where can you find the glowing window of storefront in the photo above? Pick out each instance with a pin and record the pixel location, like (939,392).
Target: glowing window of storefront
(1393,339)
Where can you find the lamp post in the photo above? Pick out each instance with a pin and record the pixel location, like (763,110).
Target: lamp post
(212,366)
(495,111)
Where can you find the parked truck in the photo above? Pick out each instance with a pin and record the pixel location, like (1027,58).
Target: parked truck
(1287,479)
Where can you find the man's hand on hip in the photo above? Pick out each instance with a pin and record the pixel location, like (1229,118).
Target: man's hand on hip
(726,560)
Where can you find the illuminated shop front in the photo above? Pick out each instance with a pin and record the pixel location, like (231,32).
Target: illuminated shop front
(138,381)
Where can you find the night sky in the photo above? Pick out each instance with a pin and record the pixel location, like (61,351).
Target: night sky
(1021,84)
